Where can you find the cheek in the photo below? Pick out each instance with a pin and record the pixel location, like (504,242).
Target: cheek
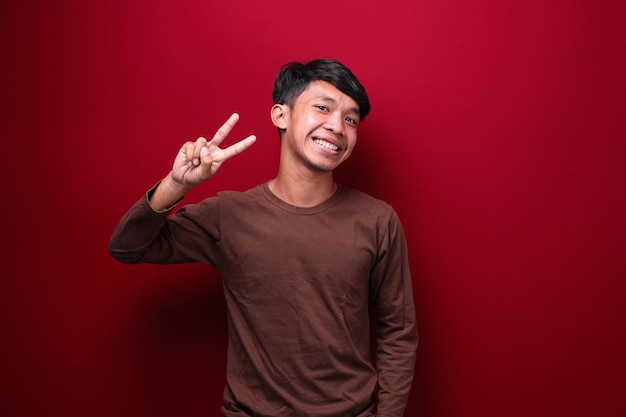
(351,143)
(312,120)
(348,150)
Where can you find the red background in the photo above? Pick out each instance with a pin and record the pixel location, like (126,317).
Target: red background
(497,132)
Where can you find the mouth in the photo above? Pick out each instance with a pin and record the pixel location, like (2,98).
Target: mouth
(327,144)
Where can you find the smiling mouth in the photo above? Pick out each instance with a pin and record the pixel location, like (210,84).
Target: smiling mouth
(327,144)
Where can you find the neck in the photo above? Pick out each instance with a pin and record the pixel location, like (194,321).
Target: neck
(303,190)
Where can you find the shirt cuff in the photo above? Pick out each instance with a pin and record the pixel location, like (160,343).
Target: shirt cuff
(149,194)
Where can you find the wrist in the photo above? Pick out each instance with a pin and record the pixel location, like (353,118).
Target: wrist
(167,194)
(176,186)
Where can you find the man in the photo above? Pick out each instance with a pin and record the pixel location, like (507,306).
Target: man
(302,260)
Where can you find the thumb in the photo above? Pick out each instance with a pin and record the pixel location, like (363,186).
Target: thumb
(206,163)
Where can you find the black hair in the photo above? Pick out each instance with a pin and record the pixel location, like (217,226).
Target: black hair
(294,78)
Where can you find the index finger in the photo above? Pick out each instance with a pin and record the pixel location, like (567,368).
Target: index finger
(239,147)
(225,129)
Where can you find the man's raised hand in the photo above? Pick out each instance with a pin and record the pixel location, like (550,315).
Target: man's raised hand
(198,161)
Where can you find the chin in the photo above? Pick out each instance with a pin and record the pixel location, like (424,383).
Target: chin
(322,168)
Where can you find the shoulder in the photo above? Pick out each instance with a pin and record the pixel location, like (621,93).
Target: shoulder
(221,201)
(364,207)
(232,200)
(367,202)
(236,197)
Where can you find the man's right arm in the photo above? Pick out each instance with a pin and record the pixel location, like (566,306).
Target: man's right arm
(137,231)
(195,163)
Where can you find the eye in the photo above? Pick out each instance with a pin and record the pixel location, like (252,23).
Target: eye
(322,107)
(351,120)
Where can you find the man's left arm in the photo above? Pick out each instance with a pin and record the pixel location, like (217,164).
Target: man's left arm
(396,334)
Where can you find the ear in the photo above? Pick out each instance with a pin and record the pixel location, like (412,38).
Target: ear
(279,114)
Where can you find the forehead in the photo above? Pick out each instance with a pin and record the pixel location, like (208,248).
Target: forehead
(325,91)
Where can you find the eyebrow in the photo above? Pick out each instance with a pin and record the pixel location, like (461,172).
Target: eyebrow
(329,99)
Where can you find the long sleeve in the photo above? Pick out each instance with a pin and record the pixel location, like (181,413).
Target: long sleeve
(396,335)
(146,236)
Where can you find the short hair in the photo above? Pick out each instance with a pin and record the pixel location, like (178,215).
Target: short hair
(294,78)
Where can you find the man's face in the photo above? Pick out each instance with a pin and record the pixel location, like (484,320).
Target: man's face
(321,128)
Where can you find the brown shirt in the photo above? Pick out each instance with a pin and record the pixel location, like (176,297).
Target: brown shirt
(298,283)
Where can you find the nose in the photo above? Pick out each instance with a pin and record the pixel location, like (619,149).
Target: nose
(334,123)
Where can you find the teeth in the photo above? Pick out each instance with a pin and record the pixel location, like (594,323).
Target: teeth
(325,144)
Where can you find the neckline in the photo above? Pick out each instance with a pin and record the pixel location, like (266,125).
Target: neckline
(301,210)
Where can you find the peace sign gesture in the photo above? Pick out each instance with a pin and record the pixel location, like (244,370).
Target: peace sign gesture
(195,163)
(198,161)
